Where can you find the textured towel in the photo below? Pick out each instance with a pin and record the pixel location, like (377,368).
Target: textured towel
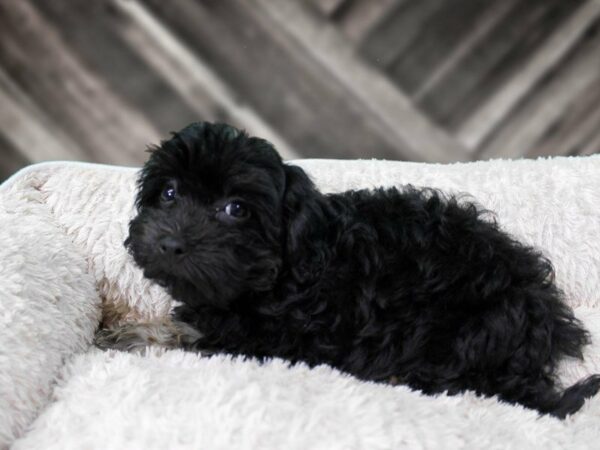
(66,224)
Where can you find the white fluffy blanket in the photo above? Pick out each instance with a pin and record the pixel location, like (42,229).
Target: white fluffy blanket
(62,260)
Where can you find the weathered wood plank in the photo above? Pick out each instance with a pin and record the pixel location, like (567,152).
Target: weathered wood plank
(279,78)
(397,30)
(30,132)
(144,63)
(497,108)
(439,35)
(492,62)
(357,19)
(417,137)
(103,125)
(575,129)
(93,31)
(11,159)
(525,128)
(195,83)
(592,147)
(328,7)
(476,31)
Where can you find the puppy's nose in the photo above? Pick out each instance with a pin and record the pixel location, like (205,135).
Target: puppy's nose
(171,246)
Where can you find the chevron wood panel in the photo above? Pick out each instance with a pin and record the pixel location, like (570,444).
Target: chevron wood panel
(426,80)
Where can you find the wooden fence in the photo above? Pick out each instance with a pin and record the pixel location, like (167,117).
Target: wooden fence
(426,80)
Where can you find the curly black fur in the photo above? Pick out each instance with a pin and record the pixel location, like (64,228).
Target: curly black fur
(404,284)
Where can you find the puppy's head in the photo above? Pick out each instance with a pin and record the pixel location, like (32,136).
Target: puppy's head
(211,214)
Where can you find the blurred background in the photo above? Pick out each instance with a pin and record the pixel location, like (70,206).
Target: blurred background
(422,80)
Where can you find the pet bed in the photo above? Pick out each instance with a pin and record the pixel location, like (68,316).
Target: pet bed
(63,269)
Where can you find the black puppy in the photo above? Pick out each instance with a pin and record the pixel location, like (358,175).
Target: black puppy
(393,285)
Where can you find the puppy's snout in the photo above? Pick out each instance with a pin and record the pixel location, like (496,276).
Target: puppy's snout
(171,246)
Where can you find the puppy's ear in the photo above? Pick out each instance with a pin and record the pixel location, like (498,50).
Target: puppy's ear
(298,187)
(302,208)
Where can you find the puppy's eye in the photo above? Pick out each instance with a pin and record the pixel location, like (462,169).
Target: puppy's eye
(169,193)
(236,210)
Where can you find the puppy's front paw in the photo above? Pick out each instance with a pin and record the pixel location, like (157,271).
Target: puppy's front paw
(137,337)
(126,338)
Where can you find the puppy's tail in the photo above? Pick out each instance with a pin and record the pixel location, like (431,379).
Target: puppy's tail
(573,398)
